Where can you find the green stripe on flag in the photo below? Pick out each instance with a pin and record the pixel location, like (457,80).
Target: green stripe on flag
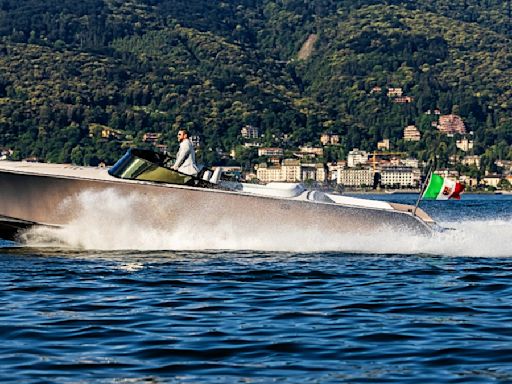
(434,187)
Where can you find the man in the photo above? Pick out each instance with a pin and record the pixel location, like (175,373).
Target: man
(186,157)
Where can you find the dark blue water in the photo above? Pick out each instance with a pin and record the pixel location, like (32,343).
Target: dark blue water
(69,316)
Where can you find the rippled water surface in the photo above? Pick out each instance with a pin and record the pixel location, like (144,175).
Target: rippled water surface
(419,310)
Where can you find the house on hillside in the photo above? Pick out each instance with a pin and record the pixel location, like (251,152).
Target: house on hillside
(464,144)
(395,92)
(271,151)
(384,145)
(411,133)
(250,132)
(151,137)
(451,124)
(356,157)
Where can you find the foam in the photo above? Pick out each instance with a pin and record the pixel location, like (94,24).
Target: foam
(109,222)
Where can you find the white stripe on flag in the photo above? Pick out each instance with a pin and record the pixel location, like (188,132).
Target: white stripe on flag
(446,190)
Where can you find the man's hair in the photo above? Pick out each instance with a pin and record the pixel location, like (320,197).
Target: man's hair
(185,131)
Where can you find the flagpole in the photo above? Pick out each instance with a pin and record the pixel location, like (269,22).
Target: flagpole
(422,190)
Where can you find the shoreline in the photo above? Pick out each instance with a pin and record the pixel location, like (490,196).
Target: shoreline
(412,192)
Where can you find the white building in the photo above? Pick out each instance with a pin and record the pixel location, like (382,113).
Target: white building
(329,138)
(409,162)
(291,170)
(492,180)
(411,133)
(352,177)
(384,144)
(150,137)
(399,176)
(471,160)
(464,144)
(250,132)
(395,92)
(195,140)
(270,151)
(311,151)
(356,157)
(314,172)
(266,173)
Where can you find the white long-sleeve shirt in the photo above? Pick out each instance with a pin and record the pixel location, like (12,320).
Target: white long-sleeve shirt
(186,159)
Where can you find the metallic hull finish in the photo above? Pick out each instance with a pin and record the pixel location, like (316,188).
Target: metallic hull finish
(30,198)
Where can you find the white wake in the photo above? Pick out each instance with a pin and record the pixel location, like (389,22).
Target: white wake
(106,221)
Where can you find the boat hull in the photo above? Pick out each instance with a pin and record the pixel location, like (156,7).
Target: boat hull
(41,199)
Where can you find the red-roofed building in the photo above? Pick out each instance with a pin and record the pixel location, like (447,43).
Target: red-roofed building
(451,124)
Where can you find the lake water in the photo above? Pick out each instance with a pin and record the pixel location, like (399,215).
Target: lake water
(294,309)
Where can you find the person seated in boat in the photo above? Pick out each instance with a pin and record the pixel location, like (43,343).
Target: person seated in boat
(186,156)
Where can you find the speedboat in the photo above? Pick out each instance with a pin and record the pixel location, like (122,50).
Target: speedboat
(40,194)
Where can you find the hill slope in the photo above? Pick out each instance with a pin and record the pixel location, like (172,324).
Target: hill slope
(67,68)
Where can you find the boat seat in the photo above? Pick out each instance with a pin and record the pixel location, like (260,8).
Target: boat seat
(214,179)
(274,189)
(207,174)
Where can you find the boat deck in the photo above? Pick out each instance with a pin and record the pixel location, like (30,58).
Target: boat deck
(62,170)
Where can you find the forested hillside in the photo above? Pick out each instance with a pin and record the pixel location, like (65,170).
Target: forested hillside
(69,69)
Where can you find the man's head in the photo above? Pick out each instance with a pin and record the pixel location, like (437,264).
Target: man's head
(182,135)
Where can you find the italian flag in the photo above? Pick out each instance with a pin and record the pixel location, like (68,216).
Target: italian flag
(439,188)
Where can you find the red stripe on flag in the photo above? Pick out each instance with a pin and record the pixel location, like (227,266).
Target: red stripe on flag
(459,188)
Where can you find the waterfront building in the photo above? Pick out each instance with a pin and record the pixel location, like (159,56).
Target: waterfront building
(356,157)
(411,133)
(355,177)
(399,176)
(468,181)
(291,170)
(321,172)
(308,172)
(492,180)
(332,171)
(266,173)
